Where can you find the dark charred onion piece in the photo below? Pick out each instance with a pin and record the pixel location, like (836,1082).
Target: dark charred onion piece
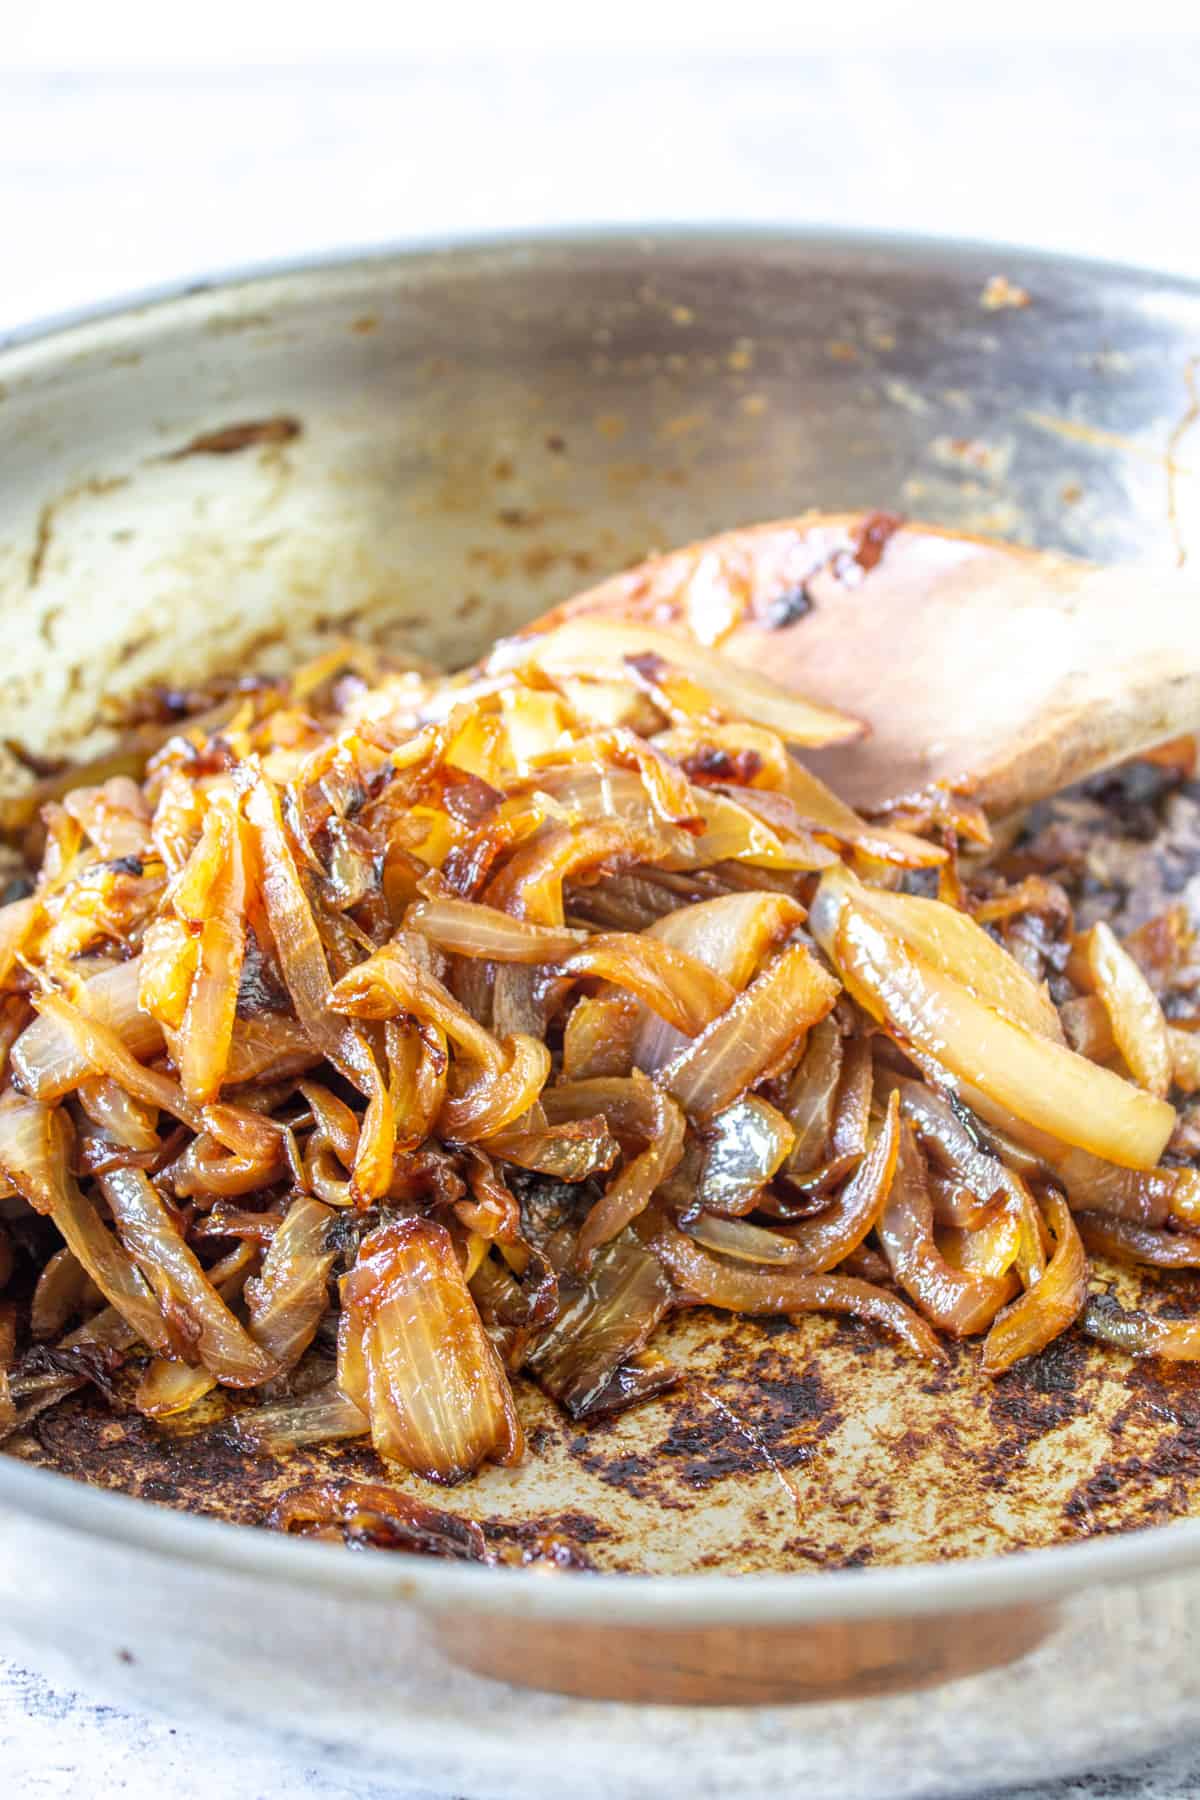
(367,1515)
(603,1321)
(413,1355)
(820,1243)
(755,1038)
(955,1301)
(1046,1310)
(1126,1242)
(709,1281)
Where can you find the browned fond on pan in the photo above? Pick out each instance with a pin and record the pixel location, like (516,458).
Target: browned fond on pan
(802,1447)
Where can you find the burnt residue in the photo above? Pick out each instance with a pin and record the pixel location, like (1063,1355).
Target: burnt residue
(871,538)
(228,440)
(772,1417)
(793,604)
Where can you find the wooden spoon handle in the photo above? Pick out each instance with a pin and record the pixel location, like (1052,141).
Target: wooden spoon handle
(1006,672)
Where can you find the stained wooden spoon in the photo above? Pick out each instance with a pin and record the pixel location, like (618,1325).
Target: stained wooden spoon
(1008,673)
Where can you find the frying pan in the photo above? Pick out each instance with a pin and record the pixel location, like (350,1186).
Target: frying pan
(815,1563)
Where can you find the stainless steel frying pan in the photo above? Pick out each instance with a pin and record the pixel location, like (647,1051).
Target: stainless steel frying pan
(818,1565)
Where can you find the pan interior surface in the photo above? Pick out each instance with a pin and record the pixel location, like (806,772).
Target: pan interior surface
(426,450)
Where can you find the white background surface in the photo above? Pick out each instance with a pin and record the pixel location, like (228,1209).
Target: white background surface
(130,156)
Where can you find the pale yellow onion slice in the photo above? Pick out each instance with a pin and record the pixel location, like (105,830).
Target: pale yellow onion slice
(1039,1081)
(1138,1025)
(952,942)
(1185,1058)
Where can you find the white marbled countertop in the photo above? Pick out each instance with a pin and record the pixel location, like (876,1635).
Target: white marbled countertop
(113,183)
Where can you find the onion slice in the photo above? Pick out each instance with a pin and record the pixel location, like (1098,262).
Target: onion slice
(708,1280)
(1045,1311)
(823,1241)
(755,1038)
(955,1300)
(414,1357)
(1039,1081)
(1138,1025)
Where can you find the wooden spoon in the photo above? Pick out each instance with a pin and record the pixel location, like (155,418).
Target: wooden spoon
(1005,672)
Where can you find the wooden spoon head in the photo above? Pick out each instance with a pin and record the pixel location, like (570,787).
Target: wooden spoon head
(1004,672)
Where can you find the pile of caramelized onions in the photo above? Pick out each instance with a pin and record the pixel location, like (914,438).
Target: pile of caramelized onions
(424,1033)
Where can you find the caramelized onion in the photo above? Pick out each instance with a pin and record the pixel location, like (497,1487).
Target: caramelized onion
(744,1148)
(603,1321)
(708,1280)
(33,1155)
(414,1357)
(287,1302)
(603,647)
(1039,1081)
(954,1300)
(47,1057)
(823,1241)
(633,1108)
(1045,1311)
(152,1238)
(468,928)
(755,1038)
(1134,1013)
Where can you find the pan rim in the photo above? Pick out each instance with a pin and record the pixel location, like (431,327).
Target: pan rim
(970,1584)
(183,293)
(966,1585)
